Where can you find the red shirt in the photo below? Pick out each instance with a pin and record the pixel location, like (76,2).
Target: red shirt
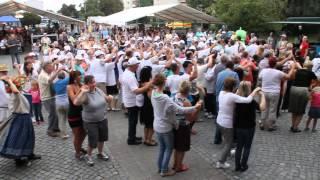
(250,67)
(303,48)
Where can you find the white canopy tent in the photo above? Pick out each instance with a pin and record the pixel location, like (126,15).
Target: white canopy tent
(11,6)
(168,12)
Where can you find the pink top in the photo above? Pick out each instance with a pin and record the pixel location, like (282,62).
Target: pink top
(315,97)
(35,96)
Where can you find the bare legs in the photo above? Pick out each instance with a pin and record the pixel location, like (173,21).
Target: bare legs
(296,119)
(314,125)
(78,137)
(148,133)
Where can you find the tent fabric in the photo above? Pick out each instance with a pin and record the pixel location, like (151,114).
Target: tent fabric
(6,19)
(168,12)
(12,6)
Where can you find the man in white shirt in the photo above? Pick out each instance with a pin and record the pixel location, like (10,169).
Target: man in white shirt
(98,69)
(3,94)
(130,90)
(253,47)
(45,79)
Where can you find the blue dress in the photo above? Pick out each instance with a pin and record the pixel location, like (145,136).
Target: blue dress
(17,138)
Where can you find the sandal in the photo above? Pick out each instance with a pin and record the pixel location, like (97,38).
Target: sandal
(183,168)
(83,151)
(150,144)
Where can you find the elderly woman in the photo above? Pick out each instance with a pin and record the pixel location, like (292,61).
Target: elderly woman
(182,135)
(227,101)
(245,123)
(299,94)
(271,81)
(94,114)
(17,138)
(164,121)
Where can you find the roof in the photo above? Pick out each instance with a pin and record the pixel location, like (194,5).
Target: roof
(168,12)
(12,6)
(299,20)
(8,19)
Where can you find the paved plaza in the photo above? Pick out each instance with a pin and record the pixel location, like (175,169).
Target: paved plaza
(275,156)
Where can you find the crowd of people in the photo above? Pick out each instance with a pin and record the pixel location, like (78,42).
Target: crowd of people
(166,79)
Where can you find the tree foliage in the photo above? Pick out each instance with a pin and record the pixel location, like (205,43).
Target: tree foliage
(69,10)
(252,15)
(200,4)
(30,19)
(100,7)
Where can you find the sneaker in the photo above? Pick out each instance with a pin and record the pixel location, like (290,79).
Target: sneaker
(220,165)
(89,160)
(169,173)
(79,157)
(103,157)
(210,116)
(232,152)
(65,136)
(116,109)
(206,114)
(314,130)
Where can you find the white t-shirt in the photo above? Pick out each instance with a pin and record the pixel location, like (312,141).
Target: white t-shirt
(209,76)
(227,101)
(271,80)
(99,70)
(111,75)
(173,83)
(252,49)
(201,75)
(129,84)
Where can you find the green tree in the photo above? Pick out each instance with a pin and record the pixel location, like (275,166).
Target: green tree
(69,10)
(110,6)
(251,15)
(201,5)
(30,19)
(100,7)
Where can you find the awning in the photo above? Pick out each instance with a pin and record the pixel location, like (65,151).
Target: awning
(11,6)
(168,12)
(299,20)
(6,19)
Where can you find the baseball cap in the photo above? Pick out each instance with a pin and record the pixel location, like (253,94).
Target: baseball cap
(133,61)
(98,53)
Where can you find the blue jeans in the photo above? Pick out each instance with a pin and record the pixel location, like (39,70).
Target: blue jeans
(165,151)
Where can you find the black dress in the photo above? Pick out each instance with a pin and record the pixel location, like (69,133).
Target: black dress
(146,112)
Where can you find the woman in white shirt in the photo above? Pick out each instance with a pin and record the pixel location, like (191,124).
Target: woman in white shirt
(227,101)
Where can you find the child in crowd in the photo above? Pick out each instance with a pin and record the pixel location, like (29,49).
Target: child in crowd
(36,102)
(314,112)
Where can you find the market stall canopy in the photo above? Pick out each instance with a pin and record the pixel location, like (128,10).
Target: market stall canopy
(167,12)
(6,19)
(11,6)
(299,20)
